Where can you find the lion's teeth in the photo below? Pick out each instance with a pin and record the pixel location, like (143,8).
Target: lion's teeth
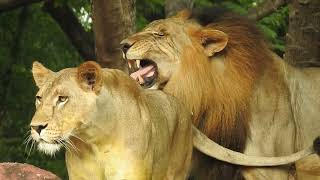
(138,63)
(129,65)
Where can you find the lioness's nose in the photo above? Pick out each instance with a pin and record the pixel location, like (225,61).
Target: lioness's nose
(124,45)
(39,128)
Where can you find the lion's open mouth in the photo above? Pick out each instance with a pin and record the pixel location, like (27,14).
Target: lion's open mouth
(144,71)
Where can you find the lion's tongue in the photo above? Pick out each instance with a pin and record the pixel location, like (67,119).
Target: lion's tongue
(142,73)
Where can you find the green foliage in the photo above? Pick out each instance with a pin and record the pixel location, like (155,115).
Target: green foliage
(40,38)
(82,9)
(147,11)
(275,27)
(235,7)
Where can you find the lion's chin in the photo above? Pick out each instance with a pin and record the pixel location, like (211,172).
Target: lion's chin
(49,149)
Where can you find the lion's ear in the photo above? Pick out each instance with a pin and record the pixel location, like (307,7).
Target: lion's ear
(89,76)
(40,73)
(212,40)
(183,14)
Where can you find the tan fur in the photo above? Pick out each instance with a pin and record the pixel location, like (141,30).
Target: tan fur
(229,90)
(111,128)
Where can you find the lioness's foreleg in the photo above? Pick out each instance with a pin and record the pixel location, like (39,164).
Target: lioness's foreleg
(77,170)
(125,165)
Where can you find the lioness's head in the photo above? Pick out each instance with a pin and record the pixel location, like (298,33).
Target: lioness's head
(64,103)
(155,53)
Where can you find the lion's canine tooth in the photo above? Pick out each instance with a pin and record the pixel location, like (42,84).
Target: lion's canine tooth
(131,62)
(138,63)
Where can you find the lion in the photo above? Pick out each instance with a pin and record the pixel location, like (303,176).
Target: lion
(241,94)
(114,129)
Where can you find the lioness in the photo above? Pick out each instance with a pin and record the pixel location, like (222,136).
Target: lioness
(114,129)
(242,95)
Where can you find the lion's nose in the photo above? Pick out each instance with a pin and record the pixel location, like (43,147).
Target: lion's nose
(125,46)
(39,128)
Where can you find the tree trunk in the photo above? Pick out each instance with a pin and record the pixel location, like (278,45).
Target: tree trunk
(173,6)
(113,20)
(303,38)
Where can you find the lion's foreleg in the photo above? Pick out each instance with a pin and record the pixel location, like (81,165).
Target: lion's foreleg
(268,173)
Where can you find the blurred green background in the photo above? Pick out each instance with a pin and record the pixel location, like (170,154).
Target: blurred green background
(29,33)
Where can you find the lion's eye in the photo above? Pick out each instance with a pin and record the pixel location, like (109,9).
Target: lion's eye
(62,98)
(158,33)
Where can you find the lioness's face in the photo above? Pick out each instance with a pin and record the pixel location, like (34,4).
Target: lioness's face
(62,108)
(155,53)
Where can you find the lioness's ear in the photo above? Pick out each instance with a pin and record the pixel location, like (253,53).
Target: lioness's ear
(40,73)
(183,14)
(212,40)
(89,76)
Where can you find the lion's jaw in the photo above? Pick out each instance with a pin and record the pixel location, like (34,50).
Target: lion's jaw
(60,113)
(154,54)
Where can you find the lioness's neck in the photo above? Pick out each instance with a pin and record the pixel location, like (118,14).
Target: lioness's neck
(104,123)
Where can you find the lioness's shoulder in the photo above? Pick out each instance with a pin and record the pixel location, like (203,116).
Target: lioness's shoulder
(164,100)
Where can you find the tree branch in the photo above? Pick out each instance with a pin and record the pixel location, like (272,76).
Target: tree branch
(69,23)
(6,5)
(266,8)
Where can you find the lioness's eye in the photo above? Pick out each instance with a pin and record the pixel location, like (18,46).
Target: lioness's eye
(38,99)
(62,98)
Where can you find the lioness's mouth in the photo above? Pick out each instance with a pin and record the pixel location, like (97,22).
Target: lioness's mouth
(144,71)
(53,142)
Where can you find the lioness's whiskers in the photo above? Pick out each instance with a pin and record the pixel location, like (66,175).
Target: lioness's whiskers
(27,139)
(27,133)
(72,145)
(31,147)
(77,137)
(63,144)
(26,142)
